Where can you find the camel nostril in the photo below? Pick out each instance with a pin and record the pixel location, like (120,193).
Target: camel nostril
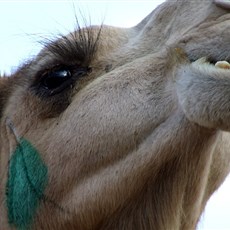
(223,3)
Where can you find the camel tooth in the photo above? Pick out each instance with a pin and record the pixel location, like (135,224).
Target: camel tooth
(223,65)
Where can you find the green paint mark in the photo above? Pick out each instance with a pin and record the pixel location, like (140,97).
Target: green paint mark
(25,186)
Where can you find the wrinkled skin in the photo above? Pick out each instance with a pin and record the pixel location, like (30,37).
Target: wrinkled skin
(141,141)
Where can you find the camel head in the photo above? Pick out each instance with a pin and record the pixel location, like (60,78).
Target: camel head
(113,128)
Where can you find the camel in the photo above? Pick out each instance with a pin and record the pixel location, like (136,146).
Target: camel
(119,128)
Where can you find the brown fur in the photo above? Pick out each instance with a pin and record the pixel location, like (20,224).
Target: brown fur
(141,141)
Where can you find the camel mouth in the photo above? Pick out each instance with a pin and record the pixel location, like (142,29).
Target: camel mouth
(223,64)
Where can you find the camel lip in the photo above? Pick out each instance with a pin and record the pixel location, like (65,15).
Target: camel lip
(214,60)
(222,64)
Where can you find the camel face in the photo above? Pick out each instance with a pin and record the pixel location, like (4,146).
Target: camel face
(130,124)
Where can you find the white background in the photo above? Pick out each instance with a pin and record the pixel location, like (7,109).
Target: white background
(24,23)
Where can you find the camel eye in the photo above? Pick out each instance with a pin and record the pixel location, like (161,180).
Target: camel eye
(55,79)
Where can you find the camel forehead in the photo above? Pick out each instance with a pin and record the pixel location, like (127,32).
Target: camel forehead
(163,28)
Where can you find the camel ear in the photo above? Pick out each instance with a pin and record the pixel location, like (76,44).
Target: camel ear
(223,3)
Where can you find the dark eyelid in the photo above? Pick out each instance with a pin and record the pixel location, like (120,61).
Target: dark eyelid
(82,70)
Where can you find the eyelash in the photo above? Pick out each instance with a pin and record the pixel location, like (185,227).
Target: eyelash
(76,50)
(80,45)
